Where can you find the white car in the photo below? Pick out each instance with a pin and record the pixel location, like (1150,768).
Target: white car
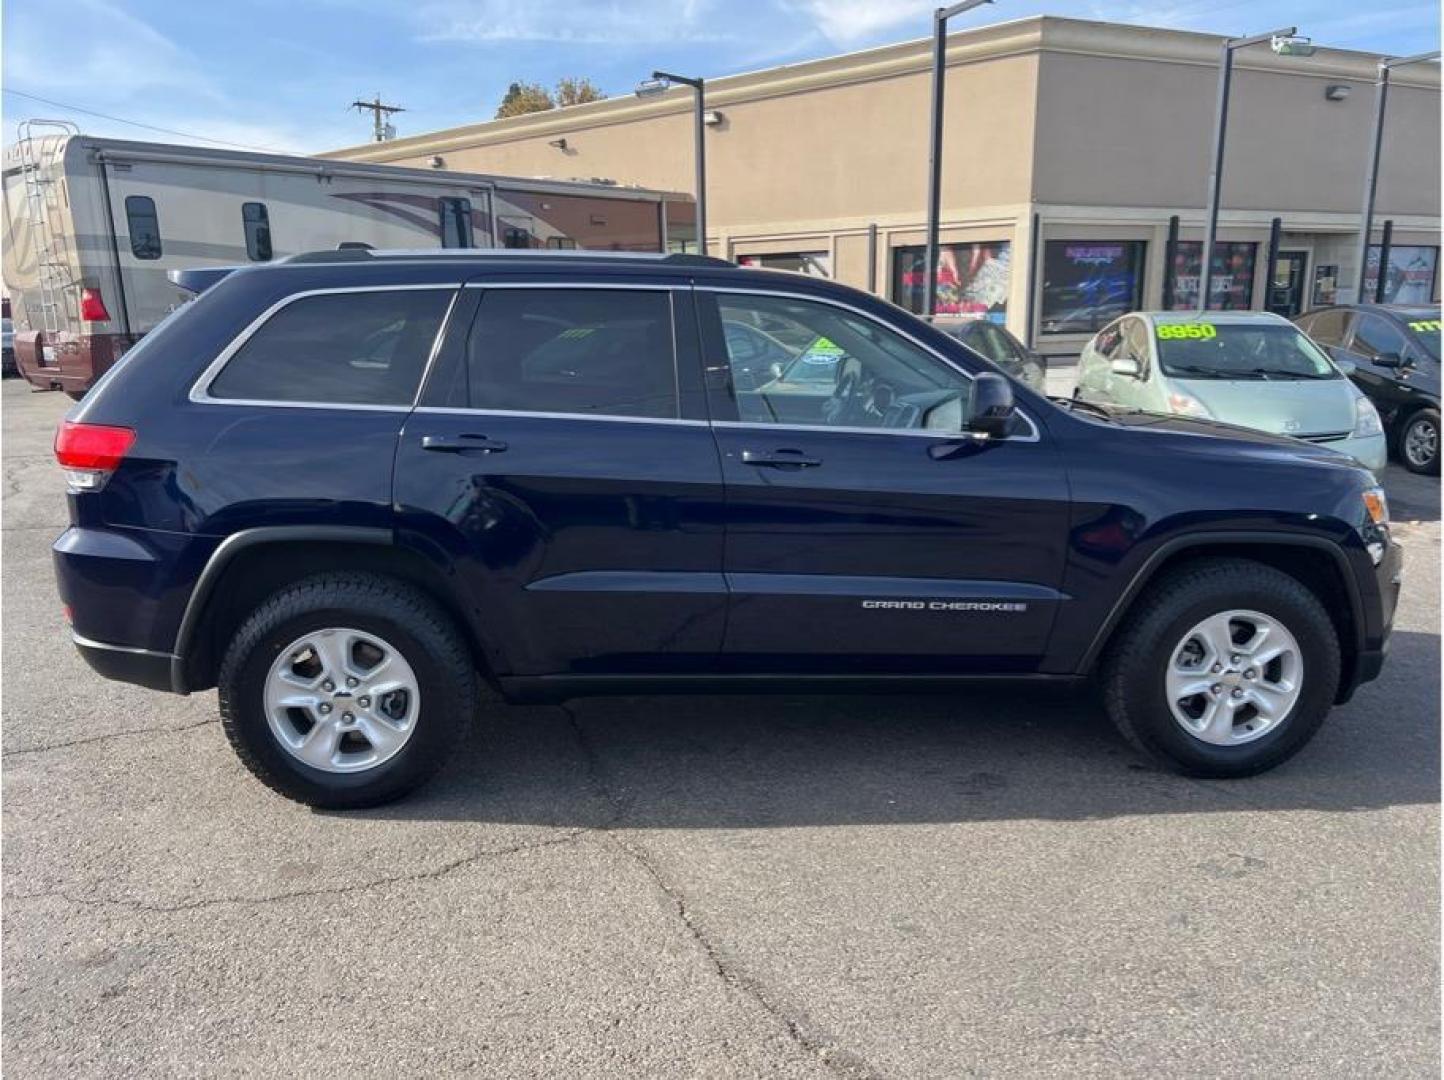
(1250,368)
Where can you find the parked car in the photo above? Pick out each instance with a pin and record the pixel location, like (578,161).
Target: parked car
(1250,368)
(350,489)
(1392,353)
(995,343)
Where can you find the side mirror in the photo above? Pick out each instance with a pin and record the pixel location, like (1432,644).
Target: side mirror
(1389,359)
(1126,366)
(990,413)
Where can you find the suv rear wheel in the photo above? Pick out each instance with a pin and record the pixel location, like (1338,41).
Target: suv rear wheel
(346,690)
(1225,668)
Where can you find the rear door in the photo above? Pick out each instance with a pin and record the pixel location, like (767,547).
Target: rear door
(859,542)
(564,471)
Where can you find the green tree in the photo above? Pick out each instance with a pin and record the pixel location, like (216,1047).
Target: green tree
(577,92)
(522,98)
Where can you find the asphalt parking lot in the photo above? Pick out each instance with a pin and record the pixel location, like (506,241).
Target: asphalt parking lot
(984,884)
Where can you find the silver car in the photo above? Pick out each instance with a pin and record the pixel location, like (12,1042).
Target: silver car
(1250,368)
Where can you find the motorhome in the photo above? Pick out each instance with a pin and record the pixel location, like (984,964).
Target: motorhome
(92,226)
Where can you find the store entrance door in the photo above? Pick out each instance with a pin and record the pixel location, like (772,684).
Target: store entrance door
(1286,283)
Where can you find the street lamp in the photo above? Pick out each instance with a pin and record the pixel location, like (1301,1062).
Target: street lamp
(1371,177)
(1285,42)
(660,83)
(935,146)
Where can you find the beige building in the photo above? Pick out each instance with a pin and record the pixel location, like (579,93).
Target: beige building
(1069,147)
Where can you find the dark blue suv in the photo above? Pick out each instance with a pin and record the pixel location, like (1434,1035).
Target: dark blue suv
(357,490)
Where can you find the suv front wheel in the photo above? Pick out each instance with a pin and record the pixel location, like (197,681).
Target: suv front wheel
(1225,668)
(346,690)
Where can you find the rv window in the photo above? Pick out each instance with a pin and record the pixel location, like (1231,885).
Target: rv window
(455,223)
(350,348)
(144,226)
(257,224)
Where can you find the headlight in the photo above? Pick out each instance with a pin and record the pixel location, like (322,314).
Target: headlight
(1366,418)
(1187,405)
(1376,505)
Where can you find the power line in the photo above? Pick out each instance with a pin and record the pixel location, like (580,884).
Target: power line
(137,123)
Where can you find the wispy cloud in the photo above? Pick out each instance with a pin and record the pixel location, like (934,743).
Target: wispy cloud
(578,22)
(847,22)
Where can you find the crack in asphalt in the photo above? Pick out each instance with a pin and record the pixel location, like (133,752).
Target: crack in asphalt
(161,730)
(795,1023)
(432,874)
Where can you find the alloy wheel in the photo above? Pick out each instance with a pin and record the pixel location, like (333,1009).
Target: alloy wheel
(342,700)
(1234,677)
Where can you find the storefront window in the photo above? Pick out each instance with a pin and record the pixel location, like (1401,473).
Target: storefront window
(1088,283)
(1410,278)
(813,263)
(1231,284)
(973,279)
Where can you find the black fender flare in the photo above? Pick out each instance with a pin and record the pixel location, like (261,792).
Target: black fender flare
(1155,560)
(232,546)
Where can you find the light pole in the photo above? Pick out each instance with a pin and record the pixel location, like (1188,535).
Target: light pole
(935,146)
(1285,42)
(659,83)
(1371,177)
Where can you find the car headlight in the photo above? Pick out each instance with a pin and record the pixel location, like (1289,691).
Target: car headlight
(1188,405)
(1366,418)
(1376,505)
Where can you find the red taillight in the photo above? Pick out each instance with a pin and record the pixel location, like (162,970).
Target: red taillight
(92,307)
(91,446)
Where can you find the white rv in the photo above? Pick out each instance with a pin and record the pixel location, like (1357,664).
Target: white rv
(92,226)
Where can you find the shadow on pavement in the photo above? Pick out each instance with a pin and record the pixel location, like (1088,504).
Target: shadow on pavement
(1411,497)
(999,753)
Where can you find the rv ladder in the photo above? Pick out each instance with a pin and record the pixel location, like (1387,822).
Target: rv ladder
(52,269)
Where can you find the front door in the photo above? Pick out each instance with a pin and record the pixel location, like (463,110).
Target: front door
(858,540)
(1286,283)
(552,467)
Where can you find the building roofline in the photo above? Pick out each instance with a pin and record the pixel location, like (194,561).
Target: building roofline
(1017,37)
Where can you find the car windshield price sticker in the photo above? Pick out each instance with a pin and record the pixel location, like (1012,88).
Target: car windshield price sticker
(1425,326)
(1191,331)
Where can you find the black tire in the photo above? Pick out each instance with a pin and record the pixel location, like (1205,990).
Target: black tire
(1425,420)
(1134,669)
(396,612)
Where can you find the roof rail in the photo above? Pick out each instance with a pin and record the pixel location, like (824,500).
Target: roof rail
(353,254)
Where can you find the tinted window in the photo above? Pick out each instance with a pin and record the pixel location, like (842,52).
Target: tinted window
(842,370)
(1087,283)
(1374,336)
(144,226)
(1327,327)
(603,351)
(1426,332)
(257,224)
(455,222)
(358,348)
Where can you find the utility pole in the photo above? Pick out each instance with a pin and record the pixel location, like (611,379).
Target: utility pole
(379,113)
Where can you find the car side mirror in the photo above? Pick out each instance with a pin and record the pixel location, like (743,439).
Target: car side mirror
(1389,359)
(991,410)
(1126,366)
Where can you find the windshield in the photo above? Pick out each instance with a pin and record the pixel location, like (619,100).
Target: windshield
(1426,333)
(1265,351)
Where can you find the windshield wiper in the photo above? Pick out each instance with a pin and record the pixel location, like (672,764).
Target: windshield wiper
(1213,372)
(1283,373)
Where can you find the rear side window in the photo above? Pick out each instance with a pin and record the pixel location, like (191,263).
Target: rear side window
(1374,337)
(257,223)
(606,352)
(1327,327)
(353,348)
(143,225)
(455,223)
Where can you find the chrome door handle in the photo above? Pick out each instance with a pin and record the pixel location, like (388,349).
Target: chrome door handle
(462,444)
(780,459)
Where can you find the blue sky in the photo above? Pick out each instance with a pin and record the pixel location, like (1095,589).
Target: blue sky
(279,73)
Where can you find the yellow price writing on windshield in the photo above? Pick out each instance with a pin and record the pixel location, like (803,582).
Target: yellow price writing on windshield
(1188,331)
(1425,326)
